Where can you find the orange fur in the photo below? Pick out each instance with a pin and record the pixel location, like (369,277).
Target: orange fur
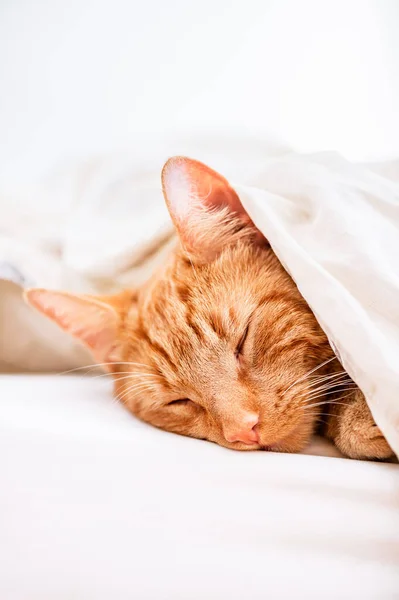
(219,344)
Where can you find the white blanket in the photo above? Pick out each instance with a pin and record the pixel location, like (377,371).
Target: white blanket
(335,228)
(97,505)
(100,226)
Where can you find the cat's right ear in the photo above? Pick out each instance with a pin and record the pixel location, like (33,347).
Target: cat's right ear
(205,209)
(91,320)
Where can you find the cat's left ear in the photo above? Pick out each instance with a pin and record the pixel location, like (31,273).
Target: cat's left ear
(205,209)
(92,320)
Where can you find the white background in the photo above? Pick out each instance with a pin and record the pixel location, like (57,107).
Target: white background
(80,77)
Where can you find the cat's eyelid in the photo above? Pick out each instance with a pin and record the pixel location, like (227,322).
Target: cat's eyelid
(180,402)
(241,343)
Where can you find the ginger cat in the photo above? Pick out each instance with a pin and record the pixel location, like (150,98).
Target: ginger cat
(219,344)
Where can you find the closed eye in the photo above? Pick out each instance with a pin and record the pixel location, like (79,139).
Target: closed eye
(240,345)
(180,402)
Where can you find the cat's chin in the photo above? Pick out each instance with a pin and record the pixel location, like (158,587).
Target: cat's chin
(283,447)
(295,441)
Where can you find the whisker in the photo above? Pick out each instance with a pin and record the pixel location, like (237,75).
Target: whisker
(322,378)
(110,374)
(132,389)
(330,389)
(342,372)
(322,403)
(326,383)
(328,375)
(309,373)
(143,384)
(97,365)
(323,394)
(127,375)
(148,375)
(324,389)
(137,374)
(329,402)
(136,364)
(138,384)
(87,367)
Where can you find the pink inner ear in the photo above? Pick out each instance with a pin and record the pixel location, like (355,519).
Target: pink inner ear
(191,191)
(186,181)
(89,320)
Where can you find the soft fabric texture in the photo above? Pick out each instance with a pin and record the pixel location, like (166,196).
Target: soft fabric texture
(335,228)
(103,226)
(96,504)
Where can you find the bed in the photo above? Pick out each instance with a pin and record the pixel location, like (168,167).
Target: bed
(96,504)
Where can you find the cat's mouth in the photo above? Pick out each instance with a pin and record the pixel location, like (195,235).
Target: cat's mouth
(292,442)
(271,448)
(279,446)
(295,440)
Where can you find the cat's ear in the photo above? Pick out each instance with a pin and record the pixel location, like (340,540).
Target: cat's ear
(94,321)
(205,209)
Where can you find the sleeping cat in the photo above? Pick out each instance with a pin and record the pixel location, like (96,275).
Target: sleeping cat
(219,344)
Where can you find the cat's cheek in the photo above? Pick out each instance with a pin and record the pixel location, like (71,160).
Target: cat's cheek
(299,438)
(200,427)
(183,419)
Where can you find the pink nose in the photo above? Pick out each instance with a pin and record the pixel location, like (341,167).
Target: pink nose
(244,430)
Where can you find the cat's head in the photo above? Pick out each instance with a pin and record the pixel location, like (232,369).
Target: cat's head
(218,343)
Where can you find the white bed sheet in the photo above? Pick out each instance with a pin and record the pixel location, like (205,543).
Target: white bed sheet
(97,505)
